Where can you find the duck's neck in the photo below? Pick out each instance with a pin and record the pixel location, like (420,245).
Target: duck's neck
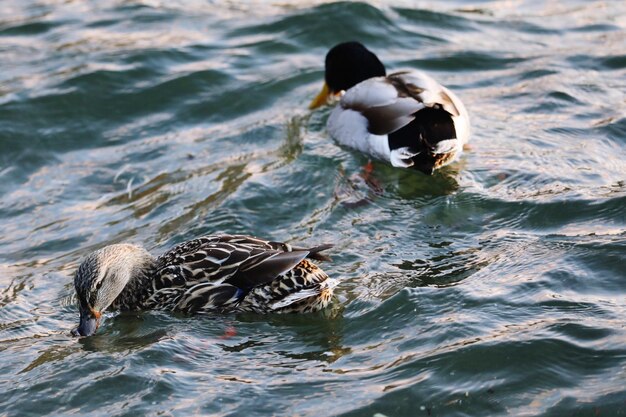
(138,289)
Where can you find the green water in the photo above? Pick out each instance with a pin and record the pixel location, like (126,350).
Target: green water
(495,287)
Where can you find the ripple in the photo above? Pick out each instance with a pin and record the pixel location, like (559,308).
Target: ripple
(493,287)
(31,28)
(465,61)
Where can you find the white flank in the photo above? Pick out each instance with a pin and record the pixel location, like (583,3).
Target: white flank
(349,127)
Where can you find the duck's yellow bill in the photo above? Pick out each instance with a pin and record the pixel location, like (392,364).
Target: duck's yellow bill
(321,99)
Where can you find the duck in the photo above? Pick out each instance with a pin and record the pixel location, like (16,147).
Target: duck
(405,118)
(210,274)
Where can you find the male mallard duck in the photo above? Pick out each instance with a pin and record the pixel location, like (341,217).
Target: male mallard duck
(221,273)
(406,118)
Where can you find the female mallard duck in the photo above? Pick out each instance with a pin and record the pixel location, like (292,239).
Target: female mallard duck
(405,118)
(221,273)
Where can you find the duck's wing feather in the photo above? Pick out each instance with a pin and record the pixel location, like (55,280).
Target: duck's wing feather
(425,89)
(380,103)
(390,103)
(316,252)
(216,272)
(208,296)
(238,260)
(263,269)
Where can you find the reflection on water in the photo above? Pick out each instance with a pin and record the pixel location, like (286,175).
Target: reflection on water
(493,287)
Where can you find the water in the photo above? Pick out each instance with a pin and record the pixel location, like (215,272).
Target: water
(495,287)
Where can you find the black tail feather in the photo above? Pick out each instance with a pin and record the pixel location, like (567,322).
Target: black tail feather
(431,124)
(315,252)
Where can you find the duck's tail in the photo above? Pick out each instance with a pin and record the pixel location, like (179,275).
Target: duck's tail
(315,252)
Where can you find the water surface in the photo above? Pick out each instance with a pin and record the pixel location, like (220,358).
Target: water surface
(495,287)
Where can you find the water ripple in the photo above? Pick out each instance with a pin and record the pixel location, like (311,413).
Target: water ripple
(494,287)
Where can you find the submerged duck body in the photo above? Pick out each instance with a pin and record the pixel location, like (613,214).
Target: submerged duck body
(220,273)
(405,118)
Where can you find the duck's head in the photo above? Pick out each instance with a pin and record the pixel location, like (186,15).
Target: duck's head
(100,279)
(347,64)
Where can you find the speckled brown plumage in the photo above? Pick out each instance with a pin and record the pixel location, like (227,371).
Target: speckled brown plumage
(220,273)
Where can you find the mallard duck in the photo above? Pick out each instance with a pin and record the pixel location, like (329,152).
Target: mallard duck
(220,273)
(405,118)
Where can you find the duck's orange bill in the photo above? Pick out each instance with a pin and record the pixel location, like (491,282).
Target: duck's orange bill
(321,99)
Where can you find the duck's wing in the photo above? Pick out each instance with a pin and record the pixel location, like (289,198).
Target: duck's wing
(220,270)
(240,260)
(390,103)
(381,103)
(211,295)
